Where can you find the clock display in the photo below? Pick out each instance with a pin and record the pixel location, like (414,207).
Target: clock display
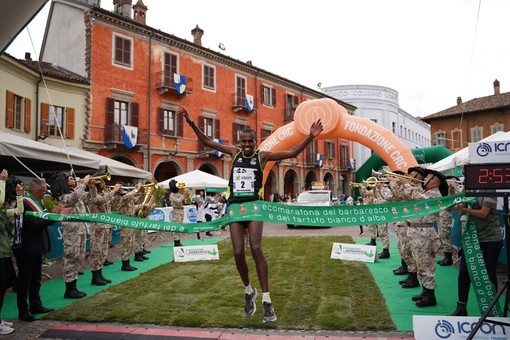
(487,176)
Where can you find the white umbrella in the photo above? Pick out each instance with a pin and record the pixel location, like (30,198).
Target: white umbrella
(197,179)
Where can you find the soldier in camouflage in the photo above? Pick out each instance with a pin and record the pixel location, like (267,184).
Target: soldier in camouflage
(128,205)
(100,202)
(73,196)
(400,188)
(383,195)
(423,236)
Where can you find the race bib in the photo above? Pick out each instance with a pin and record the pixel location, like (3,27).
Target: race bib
(244,182)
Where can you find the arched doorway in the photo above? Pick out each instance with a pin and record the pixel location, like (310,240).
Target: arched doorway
(329,181)
(270,186)
(310,177)
(166,170)
(291,184)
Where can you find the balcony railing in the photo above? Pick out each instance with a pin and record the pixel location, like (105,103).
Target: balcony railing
(113,134)
(239,103)
(165,83)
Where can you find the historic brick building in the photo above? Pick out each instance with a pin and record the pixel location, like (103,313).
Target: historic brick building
(470,121)
(140,76)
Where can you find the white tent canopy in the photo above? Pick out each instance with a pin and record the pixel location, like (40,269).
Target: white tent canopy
(461,157)
(19,147)
(114,167)
(197,179)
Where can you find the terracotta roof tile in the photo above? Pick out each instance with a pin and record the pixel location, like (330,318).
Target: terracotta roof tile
(54,71)
(474,105)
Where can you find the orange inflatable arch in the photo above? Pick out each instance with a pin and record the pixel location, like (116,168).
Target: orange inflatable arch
(338,123)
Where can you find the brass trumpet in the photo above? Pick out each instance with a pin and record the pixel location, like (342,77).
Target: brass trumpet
(98,179)
(390,174)
(356,184)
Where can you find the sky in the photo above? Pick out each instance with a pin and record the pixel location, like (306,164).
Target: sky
(429,51)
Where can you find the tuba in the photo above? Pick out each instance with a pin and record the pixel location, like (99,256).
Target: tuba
(148,190)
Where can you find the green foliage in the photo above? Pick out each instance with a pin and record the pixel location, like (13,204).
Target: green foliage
(310,291)
(49,202)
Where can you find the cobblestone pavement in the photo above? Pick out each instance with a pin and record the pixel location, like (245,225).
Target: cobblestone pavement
(32,330)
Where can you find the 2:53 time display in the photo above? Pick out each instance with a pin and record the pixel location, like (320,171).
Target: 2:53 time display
(487,176)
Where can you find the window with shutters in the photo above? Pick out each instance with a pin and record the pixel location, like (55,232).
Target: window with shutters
(476,134)
(17,112)
(344,156)
(211,128)
(264,133)
(329,149)
(169,122)
(122,50)
(118,114)
(237,129)
(170,67)
(291,104)
(240,94)
(55,119)
(209,77)
(268,95)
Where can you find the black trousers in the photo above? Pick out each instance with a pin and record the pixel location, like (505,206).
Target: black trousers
(490,251)
(28,284)
(5,277)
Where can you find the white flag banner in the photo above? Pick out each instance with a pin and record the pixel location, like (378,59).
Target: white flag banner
(249,102)
(129,135)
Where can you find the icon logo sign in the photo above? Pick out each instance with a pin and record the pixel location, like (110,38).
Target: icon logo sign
(483,149)
(444,329)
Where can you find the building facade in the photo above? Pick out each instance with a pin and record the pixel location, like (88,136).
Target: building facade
(380,104)
(471,121)
(140,77)
(39,99)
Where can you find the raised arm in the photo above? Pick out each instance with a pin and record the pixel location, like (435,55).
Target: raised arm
(231,150)
(315,130)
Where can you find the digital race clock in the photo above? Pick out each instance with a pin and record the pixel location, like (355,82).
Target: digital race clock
(487,176)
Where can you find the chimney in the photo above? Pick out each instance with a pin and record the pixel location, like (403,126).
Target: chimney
(123,7)
(139,12)
(496,87)
(28,56)
(197,34)
(459,100)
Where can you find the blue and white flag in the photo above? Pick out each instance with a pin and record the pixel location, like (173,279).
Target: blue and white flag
(319,160)
(129,135)
(249,103)
(216,152)
(179,83)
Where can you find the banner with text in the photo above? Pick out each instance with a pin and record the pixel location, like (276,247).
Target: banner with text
(336,216)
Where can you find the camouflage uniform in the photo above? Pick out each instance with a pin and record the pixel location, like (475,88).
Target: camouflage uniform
(383,195)
(177,201)
(128,206)
(368,198)
(423,237)
(74,234)
(100,202)
(403,241)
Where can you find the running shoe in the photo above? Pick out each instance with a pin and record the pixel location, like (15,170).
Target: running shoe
(249,303)
(269,315)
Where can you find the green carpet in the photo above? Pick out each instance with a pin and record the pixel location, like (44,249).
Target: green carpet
(398,299)
(52,291)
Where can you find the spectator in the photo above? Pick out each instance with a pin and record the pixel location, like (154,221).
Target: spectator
(490,236)
(35,242)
